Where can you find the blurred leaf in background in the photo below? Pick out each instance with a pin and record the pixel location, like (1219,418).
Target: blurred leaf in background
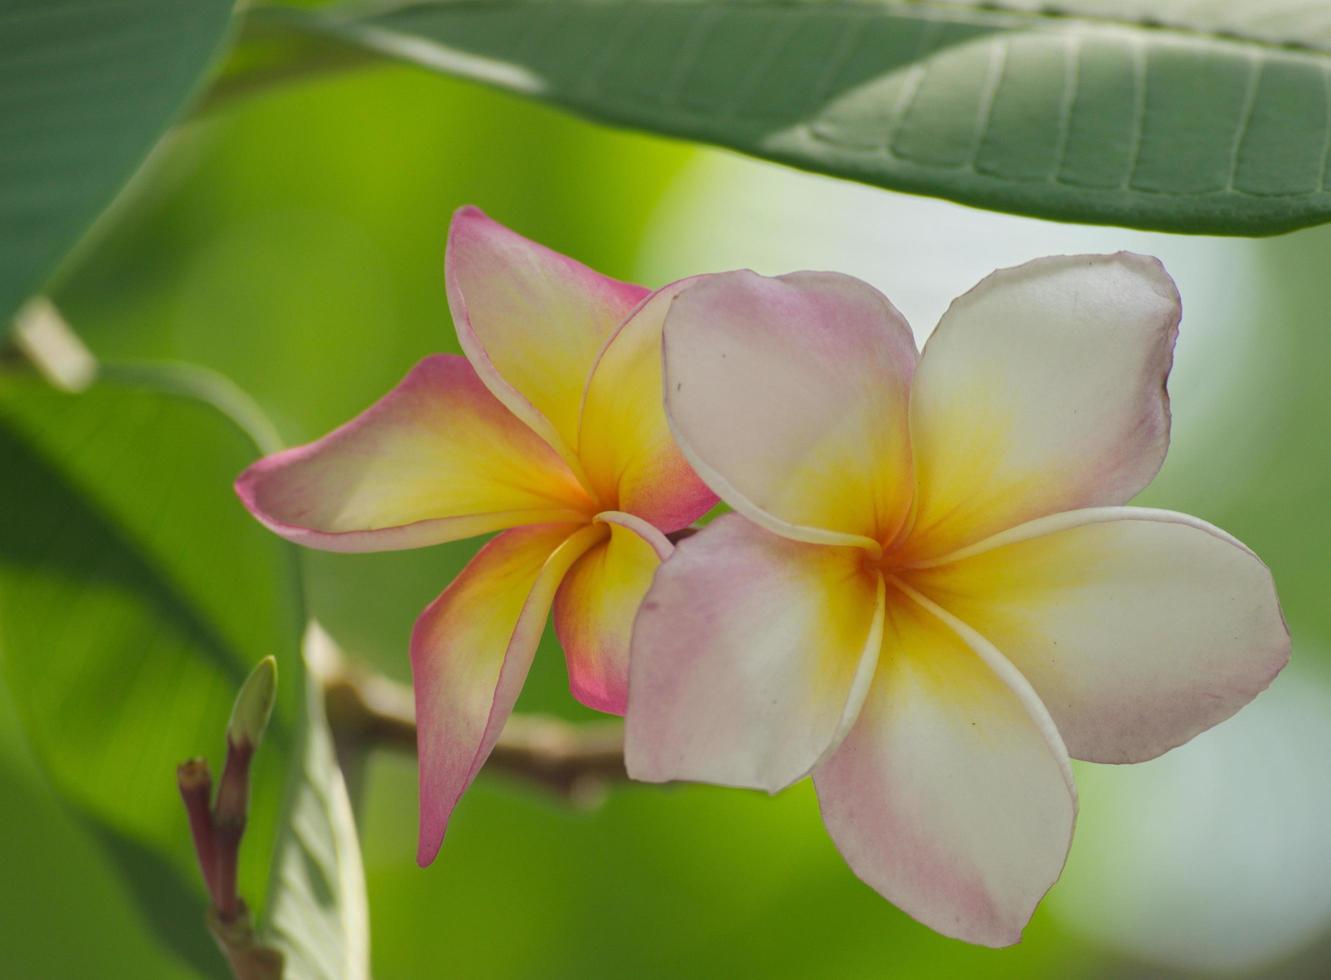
(85,92)
(135,596)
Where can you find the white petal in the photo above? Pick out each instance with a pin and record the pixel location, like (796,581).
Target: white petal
(751,654)
(952,795)
(789,397)
(1042,390)
(1138,628)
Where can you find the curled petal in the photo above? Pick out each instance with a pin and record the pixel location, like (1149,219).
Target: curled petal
(952,795)
(531,321)
(1138,628)
(1042,390)
(596,604)
(625,442)
(789,397)
(436,459)
(470,652)
(751,656)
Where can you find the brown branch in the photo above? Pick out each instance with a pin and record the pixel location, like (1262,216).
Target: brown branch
(572,760)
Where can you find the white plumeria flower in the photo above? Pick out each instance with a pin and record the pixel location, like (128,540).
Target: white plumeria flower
(932,594)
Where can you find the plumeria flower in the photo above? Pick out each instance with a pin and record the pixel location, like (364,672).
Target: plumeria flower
(551,431)
(932,595)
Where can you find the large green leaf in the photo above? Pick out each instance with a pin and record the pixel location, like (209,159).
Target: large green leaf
(86,88)
(135,595)
(1089,110)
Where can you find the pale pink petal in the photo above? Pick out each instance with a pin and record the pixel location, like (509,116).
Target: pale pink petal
(1042,390)
(470,652)
(596,604)
(952,795)
(436,459)
(625,443)
(532,321)
(789,397)
(1138,628)
(750,657)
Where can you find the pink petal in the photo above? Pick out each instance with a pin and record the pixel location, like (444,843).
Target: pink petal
(1042,390)
(1138,628)
(596,605)
(531,321)
(625,442)
(470,652)
(751,655)
(952,795)
(789,397)
(436,459)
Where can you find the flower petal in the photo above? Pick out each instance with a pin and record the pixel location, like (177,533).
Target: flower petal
(531,321)
(952,795)
(470,652)
(436,459)
(1138,628)
(789,398)
(624,441)
(751,655)
(1042,390)
(595,607)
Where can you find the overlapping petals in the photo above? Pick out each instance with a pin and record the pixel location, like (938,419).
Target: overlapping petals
(930,595)
(596,604)
(946,529)
(626,447)
(437,459)
(768,668)
(500,440)
(470,652)
(952,795)
(532,321)
(788,396)
(1138,628)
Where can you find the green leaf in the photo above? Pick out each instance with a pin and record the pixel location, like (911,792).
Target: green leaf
(1088,110)
(86,89)
(318,915)
(135,597)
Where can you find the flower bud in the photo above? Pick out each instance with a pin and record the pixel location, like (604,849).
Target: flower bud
(254,705)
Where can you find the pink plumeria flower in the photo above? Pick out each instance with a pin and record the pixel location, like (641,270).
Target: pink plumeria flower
(931,594)
(550,430)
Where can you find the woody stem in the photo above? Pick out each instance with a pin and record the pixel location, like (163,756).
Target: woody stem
(572,760)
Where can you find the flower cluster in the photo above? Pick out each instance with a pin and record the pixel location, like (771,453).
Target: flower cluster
(930,593)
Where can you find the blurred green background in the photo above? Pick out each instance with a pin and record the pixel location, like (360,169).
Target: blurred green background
(295,244)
